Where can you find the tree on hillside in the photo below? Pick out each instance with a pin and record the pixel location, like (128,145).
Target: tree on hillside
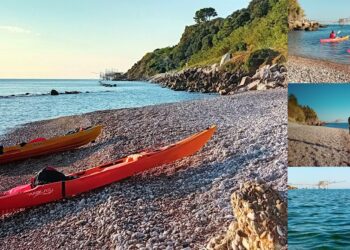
(204,15)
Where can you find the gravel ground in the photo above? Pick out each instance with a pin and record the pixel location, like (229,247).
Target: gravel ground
(305,70)
(177,206)
(317,146)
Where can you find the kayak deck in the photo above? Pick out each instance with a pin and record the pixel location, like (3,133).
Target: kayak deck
(53,145)
(103,175)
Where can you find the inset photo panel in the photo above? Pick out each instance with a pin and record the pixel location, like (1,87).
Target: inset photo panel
(318,41)
(318,202)
(318,125)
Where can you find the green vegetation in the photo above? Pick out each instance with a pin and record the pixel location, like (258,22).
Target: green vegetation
(299,113)
(254,36)
(204,15)
(295,12)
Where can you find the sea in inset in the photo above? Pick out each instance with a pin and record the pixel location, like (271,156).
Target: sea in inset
(37,105)
(319,219)
(307,44)
(338,125)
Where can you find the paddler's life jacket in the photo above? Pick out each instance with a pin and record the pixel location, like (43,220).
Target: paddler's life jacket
(332,35)
(48,175)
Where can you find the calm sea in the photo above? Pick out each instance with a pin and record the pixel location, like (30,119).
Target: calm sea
(307,44)
(338,125)
(18,110)
(319,219)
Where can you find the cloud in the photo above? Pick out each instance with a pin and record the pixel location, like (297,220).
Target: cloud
(14,29)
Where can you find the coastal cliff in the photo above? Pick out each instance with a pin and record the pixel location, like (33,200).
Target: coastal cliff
(297,19)
(223,54)
(302,114)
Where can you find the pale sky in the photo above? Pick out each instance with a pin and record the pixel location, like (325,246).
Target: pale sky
(326,11)
(300,176)
(330,101)
(77,39)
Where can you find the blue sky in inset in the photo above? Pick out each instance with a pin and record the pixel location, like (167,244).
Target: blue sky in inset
(330,101)
(77,38)
(326,10)
(312,175)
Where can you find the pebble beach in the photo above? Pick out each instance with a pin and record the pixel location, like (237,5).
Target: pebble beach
(317,146)
(306,70)
(177,206)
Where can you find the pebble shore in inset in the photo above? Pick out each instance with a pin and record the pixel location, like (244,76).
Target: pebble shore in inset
(305,70)
(317,146)
(177,206)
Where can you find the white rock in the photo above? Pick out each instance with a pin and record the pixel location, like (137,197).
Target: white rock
(225,58)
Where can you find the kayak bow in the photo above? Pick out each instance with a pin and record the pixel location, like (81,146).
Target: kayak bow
(25,196)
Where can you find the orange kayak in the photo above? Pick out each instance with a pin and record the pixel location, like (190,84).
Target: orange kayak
(42,147)
(84,181)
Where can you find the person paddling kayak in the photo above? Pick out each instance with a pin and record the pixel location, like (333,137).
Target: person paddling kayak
(332,35)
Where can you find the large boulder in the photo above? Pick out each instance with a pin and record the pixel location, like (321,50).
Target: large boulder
(261,220)
(245,80)
(253,85)
(259,58)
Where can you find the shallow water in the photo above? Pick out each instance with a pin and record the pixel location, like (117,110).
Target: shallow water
(338,125)
(307,44)
(318,219)
(18,110)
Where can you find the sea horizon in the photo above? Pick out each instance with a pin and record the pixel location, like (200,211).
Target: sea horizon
(31,100)
(341,125)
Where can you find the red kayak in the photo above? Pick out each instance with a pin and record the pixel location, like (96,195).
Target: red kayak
(33,195)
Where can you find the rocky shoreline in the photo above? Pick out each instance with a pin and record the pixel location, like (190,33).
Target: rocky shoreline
(178,206)
(214,80)
(307,70)
(304,25)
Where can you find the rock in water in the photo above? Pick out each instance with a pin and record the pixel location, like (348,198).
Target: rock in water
(261,220)
(54,92)
(72,92)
